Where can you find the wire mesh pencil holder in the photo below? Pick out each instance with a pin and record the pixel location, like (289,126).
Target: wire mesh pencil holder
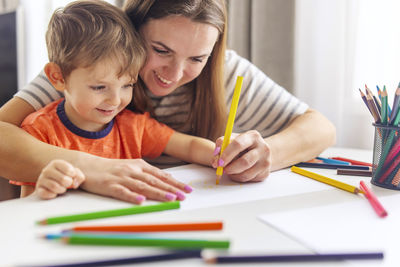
(386,157)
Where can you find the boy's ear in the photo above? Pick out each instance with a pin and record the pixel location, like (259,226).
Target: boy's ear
(54,74)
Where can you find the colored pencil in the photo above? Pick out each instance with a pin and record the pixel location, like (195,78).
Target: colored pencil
(230,122)
(364,98)
(333,161)
(170,227)
(380,98)
(315,161)
(326,180)
(370,100)
(332,166)
(111,213)
(172,255)
(352,161)
(387,146)
(135,241)
(392,153)
(388,171)
(294,258)
(384,109)
(373,200)
(379,93)
(395,106)
(396,178)
(377,103)
(354,172)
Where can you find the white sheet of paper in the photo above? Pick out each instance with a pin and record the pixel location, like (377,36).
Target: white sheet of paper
(346,227)
(206,193)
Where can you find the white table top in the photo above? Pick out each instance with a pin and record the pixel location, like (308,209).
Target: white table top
(21,245)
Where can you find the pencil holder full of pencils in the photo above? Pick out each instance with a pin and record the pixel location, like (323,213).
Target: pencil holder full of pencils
(386,157)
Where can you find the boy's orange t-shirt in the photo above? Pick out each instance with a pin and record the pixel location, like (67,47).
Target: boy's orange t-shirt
(128,136)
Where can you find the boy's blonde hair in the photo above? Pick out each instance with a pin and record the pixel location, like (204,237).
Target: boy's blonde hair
(85,32)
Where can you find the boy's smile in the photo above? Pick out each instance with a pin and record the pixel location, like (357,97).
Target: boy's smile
(95,95)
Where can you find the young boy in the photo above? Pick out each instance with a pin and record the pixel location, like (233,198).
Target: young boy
(95,57)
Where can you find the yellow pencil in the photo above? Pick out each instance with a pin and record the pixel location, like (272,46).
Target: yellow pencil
(231,120)
(326,180)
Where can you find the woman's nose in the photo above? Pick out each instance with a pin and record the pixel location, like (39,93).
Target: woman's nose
(175,70)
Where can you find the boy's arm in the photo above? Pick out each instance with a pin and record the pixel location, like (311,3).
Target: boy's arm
(190,148)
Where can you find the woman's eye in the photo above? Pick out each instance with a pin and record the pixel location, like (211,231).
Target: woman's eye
(97,88)
(160,51)
(196,59)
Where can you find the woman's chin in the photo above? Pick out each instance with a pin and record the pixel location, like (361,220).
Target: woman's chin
(159,91)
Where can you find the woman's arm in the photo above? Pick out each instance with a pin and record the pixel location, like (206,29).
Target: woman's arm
(23,157)
(249,157)
(190,148)
(278,129)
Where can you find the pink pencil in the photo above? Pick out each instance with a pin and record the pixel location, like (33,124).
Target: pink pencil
(373,200)
(389,170)
(393,152)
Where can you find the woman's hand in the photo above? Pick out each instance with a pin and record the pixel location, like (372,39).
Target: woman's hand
(246,159)
(56,178)
(131,180)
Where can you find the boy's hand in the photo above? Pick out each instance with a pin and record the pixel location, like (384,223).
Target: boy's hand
(131,180)
(57,177)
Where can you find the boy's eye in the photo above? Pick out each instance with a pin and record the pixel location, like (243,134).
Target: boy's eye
(96,88)
(131,85)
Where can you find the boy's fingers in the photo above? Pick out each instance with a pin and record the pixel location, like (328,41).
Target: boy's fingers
(52,186)
(79,178)
(65,168)
(57,176)
(45,194)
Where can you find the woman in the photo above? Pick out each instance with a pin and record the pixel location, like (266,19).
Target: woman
(184,84)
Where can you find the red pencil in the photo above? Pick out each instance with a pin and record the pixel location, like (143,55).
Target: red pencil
(352,161)
(198,226)
(373,200)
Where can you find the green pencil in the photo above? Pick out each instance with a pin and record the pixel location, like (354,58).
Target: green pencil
(111,213)
(384,108)
(113,240)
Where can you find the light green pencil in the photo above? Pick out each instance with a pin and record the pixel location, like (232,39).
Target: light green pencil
(111,213)
(112,240)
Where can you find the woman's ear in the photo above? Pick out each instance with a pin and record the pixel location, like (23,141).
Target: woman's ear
(55,76)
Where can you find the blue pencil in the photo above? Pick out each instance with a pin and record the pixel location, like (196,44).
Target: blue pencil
(331,166)
(172,255)
(295,258)
(333,161)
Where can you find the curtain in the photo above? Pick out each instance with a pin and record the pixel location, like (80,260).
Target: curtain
(263,32)
(341,46)
(36,18)
(323,51)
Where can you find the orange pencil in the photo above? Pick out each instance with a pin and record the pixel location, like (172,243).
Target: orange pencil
(172,227)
